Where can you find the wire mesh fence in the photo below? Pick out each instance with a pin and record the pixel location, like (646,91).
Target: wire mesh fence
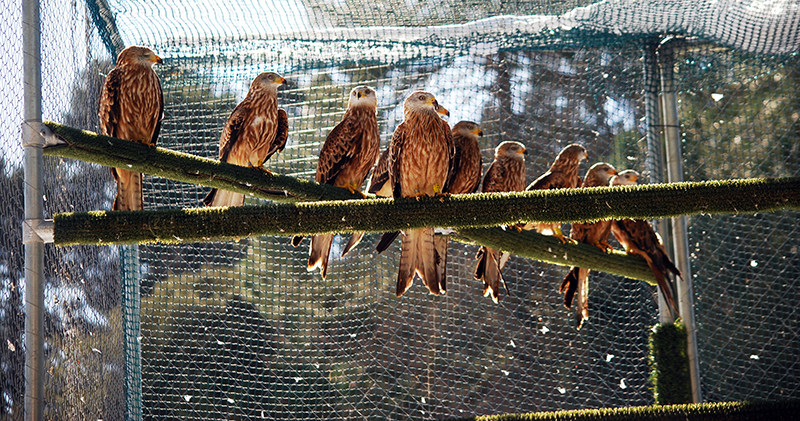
(221,330)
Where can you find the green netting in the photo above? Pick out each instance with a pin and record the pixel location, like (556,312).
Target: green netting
(240,330)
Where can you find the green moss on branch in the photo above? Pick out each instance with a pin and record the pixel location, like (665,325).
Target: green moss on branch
(160,162)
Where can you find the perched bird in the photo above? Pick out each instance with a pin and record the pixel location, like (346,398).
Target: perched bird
(505,174)
(577,280)
(468,165)
(420,160)
(638,237)
(256,129)
(380,186)
(563,174)
(131,108)
(345,159)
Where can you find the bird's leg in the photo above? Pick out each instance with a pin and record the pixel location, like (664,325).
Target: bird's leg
(603,245)
(260,166)
(437,192)
(560,235)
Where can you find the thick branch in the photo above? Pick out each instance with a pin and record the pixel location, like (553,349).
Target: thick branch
(108,151)
(467,213)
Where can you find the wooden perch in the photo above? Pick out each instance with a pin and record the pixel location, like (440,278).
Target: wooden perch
(469,214)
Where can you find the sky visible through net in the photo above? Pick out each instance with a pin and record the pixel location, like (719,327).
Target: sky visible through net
(240,330)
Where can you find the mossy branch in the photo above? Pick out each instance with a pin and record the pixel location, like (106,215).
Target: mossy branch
(470,214)
(160,162)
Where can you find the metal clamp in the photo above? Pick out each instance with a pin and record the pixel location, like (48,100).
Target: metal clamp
(36,134)
(37,230)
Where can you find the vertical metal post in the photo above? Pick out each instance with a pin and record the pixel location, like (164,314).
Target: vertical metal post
(32,143)
(654,166)
(131,310)
(680,235)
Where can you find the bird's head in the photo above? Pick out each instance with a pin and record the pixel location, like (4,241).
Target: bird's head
(363,96)
(625,178)
(510,149)
(269,81)
(468,129)
(136,54)
(423,103)
(600,173)
(572,155)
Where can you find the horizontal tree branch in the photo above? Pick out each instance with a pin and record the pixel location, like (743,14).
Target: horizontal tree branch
(92,147)
(469,214)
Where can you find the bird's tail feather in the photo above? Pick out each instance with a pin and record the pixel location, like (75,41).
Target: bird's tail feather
(663,283)
(440,243)
(488,271)
(129,190)
(223,198)
(418,255)
(582,297)
(353,242)
(569,285)
(318,253)
(386,240)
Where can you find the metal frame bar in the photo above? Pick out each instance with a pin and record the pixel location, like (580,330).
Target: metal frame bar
(680,234)
(33,142)
(654,165)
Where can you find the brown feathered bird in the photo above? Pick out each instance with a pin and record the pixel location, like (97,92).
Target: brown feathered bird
(131,108)
(468,163)
(345,159)
(638,237)
(577,280)
(563,174)
(419,162)
(505,174)
(256,129)
(380,186)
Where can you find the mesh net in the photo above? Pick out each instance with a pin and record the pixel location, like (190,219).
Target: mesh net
(222,330)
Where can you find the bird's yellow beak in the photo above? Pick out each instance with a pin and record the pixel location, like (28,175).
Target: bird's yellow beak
(439,109)
(156,59)
(524,152)
(282,81)
(478,132)
(635,177)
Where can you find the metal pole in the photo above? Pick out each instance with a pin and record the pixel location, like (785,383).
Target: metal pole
(654,165)
(680,237)
(32,143)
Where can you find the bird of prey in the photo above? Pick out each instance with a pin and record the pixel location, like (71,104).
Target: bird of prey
(420,159)
(638,237)
(380,186)
(256,129)
(466,176)
(131,108)
(563,174)
(577,280)
(505,174)
(345,159)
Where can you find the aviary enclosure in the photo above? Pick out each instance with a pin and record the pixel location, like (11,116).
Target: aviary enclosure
(213,329)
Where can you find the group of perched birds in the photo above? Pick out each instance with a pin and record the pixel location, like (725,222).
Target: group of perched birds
(426,157)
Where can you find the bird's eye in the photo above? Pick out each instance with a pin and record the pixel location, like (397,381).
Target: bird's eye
(422,97)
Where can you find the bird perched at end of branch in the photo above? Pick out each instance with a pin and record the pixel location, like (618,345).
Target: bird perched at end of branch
(563,174)
(420,160)
(256,129)
(131,108)
(577,280)
(505,174)
(345,159)
(638,237)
